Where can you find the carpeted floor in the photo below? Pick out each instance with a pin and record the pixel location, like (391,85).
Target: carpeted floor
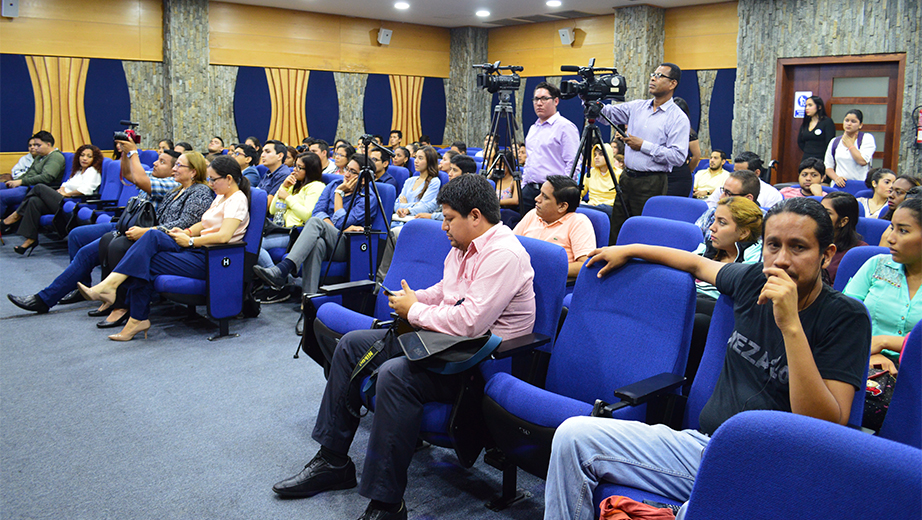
(176,426)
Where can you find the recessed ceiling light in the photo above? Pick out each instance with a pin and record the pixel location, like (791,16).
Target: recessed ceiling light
(402,5)
(554,3)
(483,13)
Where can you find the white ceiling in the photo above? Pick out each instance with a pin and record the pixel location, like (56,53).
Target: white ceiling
(454,13)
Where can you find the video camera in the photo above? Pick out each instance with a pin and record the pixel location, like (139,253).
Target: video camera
(127,135)
(592,88)
(492,81)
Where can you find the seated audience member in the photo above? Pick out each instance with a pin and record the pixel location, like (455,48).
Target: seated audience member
(47,168)
(164,145)
(768,195)
(459,147)
(177,251)
(506,188)
(413,147)
(215,148)
(809,178)
(848,156)
(490,147)
(878,180)
(904,187)
(740,183)
(394,139)
(424,140)
(378,139)
(712,178)
(247,157)
(797,346)
(402,157)
(341,156)
(486,286)
(83,242)
(460,165)
(254,142)
(84,179)
(183,147)
(445,161)
(420,191)
(273,158)
(380,162)
(599,183)
(521,154)
(182,207)
(292,152)
(843,210)
(322,150)
(22,165)
(554,219)
(315,243)
(889,286)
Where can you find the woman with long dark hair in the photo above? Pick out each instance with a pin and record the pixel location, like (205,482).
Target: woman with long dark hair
(879,180)
(816,130)
(848,157)
(419,192)
(843,210)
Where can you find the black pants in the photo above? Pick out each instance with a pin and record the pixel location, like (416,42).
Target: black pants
(112,248)
(41,200)
(527,197)
(402,390)
(637,191)
(680,181)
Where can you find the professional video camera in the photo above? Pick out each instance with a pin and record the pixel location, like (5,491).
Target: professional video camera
(127,135)
(492,81)
(592,88)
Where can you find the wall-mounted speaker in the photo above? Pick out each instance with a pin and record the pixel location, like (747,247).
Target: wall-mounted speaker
(384,36)
(566,36)
(10,8)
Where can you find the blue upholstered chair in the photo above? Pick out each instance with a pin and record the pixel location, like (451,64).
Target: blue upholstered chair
(866,193)
(852,261)
(871,229)
(263,170)
(399,173)
(149,157)
(229,272)
(601,224)
(763,465)
(852,187)
(684,209)
(903,422)
(657,231)
(81,209)
(108,213)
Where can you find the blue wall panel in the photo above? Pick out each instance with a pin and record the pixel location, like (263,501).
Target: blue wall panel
(379,108)
(689,91)
(17,104)
(106,101)
(432,113)
(721,111)
(322,105)
(252,105)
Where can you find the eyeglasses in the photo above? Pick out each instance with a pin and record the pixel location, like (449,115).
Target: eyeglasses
(238,154)
(353,172)
(212,180)
(297,167)
(728,193)
(658,75)
(181,165)
(541,99)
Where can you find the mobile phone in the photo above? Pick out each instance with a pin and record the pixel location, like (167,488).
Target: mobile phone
(386,290)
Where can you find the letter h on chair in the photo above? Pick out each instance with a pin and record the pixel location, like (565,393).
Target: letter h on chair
(229,272)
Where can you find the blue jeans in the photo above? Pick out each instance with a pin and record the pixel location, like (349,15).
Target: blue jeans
(83,246)
(589,450)
(10,197)
(271,242)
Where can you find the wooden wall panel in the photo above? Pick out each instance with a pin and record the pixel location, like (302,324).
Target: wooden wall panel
(58,84)
(116,29)
(288,93)
(406,100)
(244,35)
(702,37)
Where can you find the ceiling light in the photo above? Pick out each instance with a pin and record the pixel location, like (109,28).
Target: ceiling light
(483,13)
(554,3)
(402,5)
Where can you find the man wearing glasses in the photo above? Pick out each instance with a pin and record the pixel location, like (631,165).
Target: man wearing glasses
(740,183)
(656,142)
(551,144)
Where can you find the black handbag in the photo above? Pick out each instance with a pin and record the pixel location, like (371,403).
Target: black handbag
(138,212)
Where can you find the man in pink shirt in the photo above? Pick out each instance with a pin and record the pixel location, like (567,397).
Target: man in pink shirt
(555,220)
(487,285)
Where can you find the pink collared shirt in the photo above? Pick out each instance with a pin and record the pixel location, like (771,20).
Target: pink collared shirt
(573,232)
(492,280)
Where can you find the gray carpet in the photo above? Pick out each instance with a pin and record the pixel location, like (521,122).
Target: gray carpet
(176,426)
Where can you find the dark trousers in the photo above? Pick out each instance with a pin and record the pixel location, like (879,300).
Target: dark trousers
(637,191)
(83,246)
(112,249)
(402,390)
(680,181)
(527,197)
(41,200)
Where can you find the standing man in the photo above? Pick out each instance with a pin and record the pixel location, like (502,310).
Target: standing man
(551,144)
(657,142)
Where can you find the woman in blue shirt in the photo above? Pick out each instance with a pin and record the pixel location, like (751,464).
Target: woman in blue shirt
(419,192)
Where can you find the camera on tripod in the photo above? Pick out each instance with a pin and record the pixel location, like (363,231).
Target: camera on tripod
(492,81)
(127,135)
(592,87)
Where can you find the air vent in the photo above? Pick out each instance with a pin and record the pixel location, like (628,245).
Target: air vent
(522,20)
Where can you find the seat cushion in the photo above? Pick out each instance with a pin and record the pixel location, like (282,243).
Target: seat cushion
(531,403)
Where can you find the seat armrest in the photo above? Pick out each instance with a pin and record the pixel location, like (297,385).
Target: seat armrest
(347,287)
(520,345)
(642,391)
(215,247)
(101,201)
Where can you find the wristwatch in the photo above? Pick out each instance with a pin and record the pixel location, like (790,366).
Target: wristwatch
(191,242)
(131,153)
(340,192)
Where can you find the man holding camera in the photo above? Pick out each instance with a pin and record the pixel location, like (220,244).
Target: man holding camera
(551,144)
(657,142)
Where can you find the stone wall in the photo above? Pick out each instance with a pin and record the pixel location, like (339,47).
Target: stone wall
(350,88)
(219,104)
(638,50)
(468,107)
(706,80)
(145,89)
(772,29)
(186,79)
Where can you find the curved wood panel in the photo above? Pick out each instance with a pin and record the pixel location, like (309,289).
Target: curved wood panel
(58,85)
(287,92)
(406,99)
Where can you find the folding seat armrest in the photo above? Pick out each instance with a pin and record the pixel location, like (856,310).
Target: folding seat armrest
(108,202)
(216,247)
(520,345)
(638,393)
(347,288)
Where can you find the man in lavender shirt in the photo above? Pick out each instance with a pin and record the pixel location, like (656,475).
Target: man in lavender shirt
(550,145)
(486,285)
(657,142)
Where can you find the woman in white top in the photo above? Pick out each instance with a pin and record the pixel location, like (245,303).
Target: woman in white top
(879,180)
(42,199)
(848,156)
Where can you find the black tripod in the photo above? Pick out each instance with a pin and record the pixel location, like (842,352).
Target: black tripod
(592,136)
(503,111)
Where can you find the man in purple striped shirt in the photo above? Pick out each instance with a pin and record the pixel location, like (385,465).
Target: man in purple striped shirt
(657,142)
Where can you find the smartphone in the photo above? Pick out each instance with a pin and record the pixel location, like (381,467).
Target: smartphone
(386,290)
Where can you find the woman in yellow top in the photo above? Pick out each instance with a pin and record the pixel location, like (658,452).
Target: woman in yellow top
(599,183)
(293,203)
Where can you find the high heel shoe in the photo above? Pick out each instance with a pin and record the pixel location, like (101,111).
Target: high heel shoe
(90,294)
(131,330)
(28,249)
(7,229)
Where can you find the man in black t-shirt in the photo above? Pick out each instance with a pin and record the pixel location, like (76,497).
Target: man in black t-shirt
(797,346)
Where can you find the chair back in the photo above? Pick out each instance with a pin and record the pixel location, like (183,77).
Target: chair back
(871,229)
(767,464)
(549,261)
(685,209)
(712,361)
(327,178)
(852,261)
(388,196)
(903,422)
(657,231)
(69,164)
(259,206)
(853,187)
(148,157)
(865,193)
(601,224)
(419,258)
(618,330)
(111,185)
(263,171)
(399,173)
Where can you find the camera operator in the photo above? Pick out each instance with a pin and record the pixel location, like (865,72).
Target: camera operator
(551,144)
(657,142)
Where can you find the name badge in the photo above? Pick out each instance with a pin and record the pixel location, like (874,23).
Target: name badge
(817,131)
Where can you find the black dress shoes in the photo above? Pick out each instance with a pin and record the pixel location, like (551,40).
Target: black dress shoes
(72,297)
(381,514)
(30,303)
(317,476)
(112,324)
